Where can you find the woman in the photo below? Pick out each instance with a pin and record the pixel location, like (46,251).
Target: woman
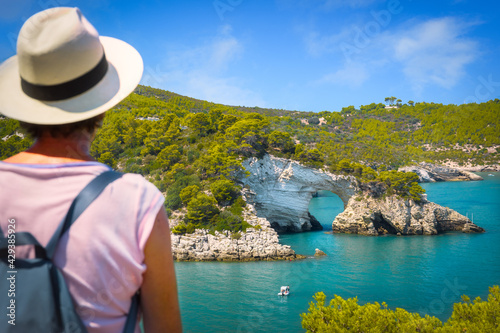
(59,85)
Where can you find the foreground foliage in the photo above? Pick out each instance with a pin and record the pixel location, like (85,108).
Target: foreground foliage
(348,316)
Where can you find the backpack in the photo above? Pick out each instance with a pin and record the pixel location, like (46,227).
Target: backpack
(33,294)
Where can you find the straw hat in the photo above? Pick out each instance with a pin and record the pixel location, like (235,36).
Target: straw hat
(64,72)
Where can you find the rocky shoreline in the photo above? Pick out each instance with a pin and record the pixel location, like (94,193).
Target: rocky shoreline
(258,243)
(278,191)
(428,173)
(474,168)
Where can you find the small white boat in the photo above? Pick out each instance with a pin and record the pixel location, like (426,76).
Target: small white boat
(491,175)
(285,291)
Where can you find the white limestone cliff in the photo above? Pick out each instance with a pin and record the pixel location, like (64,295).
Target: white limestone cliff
(281,190)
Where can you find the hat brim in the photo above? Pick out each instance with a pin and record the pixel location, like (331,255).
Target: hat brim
(123,75)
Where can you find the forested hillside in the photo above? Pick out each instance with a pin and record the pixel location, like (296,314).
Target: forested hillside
(193,149)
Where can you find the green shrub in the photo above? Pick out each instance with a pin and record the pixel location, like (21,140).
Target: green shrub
(313,121)
(190,228)
(224,191)
(237,207)
(202,209)
(179,229)
(13,145)
(192,155)
(347,315)
(173,200)
(228,221)
(108,159)
(415,191)
(183,228)
(404,184)
(477,316)
(188,193)
(245,225)
(282,141)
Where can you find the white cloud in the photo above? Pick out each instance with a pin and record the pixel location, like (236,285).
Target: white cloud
(351,74)
(222,90)
(347,3)
(201,72)
(325,4)
(213,56)
(318,45)
(435,52)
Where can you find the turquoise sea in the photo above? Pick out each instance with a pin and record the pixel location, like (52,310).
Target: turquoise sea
(424,274)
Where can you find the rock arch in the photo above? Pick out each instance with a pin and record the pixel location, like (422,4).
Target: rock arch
(281,190)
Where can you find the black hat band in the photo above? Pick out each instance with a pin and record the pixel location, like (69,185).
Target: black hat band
(68,89)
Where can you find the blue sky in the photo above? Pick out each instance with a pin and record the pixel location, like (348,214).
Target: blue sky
(307,55)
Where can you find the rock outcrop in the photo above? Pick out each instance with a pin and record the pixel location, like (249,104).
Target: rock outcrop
(428,172)
(468,166)
(319,253)
(393,215)
(281,190)
(257,243)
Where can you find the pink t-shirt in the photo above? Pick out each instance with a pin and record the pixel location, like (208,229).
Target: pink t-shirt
(102,254)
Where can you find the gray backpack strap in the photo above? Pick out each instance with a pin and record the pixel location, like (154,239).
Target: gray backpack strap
(132,314)
(22,238)
(81,202)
